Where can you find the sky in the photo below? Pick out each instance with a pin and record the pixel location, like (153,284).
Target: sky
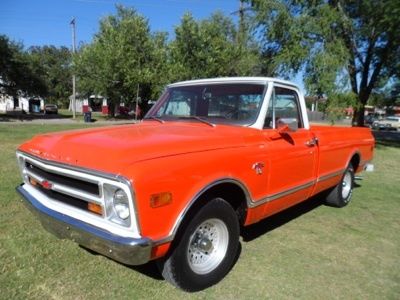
(47,22)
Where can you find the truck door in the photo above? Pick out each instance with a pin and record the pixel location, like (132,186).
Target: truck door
(290,154)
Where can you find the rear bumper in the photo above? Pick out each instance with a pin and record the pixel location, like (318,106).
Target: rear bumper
(125,250)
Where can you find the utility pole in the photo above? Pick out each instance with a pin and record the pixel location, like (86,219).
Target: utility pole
(241,24)
(137,95)
(240,38)
(72,23)
(137,103)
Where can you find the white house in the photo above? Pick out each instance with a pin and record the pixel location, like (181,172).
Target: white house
(31,105)
(95,103)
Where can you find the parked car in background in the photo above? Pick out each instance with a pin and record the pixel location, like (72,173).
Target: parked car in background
(389,123)
(50,109)
(370,119)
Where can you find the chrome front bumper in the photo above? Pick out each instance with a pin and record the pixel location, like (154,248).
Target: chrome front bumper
(125,250)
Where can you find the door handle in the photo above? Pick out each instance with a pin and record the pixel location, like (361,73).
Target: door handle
(313,142)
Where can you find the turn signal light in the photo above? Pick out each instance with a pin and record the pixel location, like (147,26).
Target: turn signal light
(33,181)
(160,199)
(95,208)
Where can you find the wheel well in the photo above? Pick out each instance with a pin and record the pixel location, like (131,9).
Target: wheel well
(355,161)
(230,192)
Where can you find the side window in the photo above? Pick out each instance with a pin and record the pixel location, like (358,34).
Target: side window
(284,104)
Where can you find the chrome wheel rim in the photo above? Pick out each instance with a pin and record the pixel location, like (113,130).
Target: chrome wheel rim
(208,246)
(346,186)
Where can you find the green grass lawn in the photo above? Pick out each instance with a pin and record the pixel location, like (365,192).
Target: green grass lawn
(309,252)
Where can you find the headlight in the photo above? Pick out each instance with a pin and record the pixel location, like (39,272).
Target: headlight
(117,204)
(121,204)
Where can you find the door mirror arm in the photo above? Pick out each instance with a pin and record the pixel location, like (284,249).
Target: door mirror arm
(286,125)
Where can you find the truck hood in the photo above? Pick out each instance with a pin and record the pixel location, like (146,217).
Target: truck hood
(111,149)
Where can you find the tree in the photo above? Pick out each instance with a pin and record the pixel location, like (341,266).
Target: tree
(16,76)
(331,41)
(388,96)
(210,48)
(53,65)
(123,58)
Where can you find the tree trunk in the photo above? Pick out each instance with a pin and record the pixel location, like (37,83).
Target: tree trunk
(111,109)
(358,116)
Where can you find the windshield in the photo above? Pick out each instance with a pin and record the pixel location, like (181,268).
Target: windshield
(236,104)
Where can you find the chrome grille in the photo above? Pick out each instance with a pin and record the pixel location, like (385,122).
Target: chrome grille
(83,194)
(85,186)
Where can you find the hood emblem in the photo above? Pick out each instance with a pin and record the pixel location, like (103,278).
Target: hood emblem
(258,167)
(47,185)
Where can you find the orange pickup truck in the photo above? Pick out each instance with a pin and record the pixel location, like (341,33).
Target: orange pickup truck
(210,157)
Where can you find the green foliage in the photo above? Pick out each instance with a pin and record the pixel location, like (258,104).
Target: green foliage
(297,36)
(332,40)
(338,103)
(125,54)
(123,57)
(341,48)
(16,74)
(388,96)
(210,48)
(53,65)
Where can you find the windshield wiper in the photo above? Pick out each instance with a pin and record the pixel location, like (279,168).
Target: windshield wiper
(198,119)
(155,118)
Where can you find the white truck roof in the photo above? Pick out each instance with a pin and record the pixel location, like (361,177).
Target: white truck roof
(262,80)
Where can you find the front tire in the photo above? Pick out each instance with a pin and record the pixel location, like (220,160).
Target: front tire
(341,194)
(206,250)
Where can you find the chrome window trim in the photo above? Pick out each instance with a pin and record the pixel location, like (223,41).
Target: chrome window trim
(300,100)
(261,82)
(88,175)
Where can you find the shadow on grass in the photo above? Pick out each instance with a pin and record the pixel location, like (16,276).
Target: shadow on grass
(248,233)
(382,144)
(254,231)
(387,138)
(149,269)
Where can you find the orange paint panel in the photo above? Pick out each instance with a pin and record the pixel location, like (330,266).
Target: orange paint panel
(185,158)
(160,250)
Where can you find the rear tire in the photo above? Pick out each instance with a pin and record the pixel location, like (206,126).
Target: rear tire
(341,194)
(206,250)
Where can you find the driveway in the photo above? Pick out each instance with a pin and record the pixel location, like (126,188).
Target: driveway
(387,136)
(54,119)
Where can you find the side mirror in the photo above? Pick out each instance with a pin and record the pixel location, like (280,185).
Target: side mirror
(287,125)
